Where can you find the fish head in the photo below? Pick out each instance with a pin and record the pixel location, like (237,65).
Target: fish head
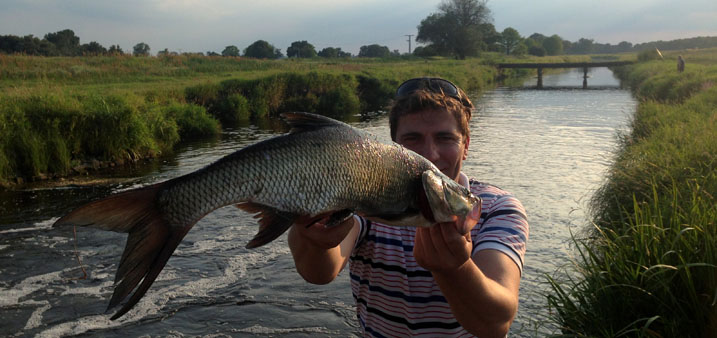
(449,201)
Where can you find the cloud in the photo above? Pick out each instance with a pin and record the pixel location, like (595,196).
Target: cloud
(196,25)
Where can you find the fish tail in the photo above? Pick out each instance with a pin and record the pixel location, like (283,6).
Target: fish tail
(150,243)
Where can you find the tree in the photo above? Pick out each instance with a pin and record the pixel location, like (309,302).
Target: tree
(115,50)
(230,51)
(490,38)
(425,51)
(374,51)
(583,46)
(65,41)
(29,44)
(301,49)
(624,46)
(93,48)
(536,50)
(457,29)
(553,45)
(520,49)
(261,49)
(537,37)
(141,49)
(510,40)
(331,52)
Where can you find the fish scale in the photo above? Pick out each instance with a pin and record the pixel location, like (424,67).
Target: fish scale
(321,166)
(277,169)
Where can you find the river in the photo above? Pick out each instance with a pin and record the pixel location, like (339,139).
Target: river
(549,147)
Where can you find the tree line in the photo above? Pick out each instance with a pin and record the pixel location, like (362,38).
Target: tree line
(463,28)
(66,43)
(459,29)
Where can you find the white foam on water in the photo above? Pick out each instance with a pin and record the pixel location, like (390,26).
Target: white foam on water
(88,290)
(80,326)
(36,317)
(237,267)
(42,225)
(11,296)
(263,330)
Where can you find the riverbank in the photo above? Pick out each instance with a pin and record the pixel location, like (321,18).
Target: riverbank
(649,265)
(63,116)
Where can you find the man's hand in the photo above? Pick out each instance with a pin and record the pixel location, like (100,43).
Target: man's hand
(445,246)
(441,247)
(314,231)
(320,252)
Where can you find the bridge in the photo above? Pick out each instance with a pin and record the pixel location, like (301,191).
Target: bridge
(583,65)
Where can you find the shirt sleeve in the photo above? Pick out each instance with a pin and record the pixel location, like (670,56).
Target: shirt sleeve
(503,225)
(364,226)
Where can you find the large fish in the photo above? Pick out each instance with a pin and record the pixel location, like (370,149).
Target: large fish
(322,166)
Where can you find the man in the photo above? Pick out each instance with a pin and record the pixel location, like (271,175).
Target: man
(680,64)
(446,280)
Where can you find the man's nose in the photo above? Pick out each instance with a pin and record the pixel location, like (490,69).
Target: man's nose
(430,151)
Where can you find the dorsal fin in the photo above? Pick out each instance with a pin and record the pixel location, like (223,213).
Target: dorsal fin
(299,121)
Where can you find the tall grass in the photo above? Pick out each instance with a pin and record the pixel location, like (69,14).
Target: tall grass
(52,133)
(58,112)
(648,268)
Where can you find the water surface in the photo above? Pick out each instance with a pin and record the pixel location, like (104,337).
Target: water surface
(549,147)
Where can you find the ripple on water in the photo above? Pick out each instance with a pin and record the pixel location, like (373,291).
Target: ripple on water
(550,148)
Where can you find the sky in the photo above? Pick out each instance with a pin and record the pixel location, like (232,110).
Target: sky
(211,25)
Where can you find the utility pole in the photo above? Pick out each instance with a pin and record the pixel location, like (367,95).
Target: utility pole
(409,42)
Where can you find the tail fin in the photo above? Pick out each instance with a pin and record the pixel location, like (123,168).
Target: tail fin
(150,243)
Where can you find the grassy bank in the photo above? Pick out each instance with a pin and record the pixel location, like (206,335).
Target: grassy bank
(61,115)
(649,266)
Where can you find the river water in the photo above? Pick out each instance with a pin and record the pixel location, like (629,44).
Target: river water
(549,147)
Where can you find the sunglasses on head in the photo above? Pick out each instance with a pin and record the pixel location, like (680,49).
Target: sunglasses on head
(433,84)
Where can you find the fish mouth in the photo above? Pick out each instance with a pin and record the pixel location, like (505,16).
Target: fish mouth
(448,201)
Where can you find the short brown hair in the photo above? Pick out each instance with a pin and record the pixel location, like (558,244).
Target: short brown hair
(421,100)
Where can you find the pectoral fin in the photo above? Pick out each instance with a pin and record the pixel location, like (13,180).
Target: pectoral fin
(272,222)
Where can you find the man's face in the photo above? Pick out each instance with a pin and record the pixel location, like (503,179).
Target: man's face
(434,134)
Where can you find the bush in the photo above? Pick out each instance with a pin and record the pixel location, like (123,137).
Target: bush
(339,102)
(649,55)
(205,95)
(272,95)
(48,134)
(193,121)
(375,94)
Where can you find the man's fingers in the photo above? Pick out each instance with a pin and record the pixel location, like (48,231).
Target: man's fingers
(464,225)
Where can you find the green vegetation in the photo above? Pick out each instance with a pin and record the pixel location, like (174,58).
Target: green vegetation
(63,114)
(649,267)
(51,133)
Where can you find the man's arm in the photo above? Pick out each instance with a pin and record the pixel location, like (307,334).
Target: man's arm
(320,253)
(482,290)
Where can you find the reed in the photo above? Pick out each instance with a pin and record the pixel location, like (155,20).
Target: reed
(50,134)
(59,112)
(648,267)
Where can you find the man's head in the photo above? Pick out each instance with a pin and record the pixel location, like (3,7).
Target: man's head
(420,94)
(430,116)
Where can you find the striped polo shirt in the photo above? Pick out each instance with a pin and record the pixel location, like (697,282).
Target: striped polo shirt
(395,297)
